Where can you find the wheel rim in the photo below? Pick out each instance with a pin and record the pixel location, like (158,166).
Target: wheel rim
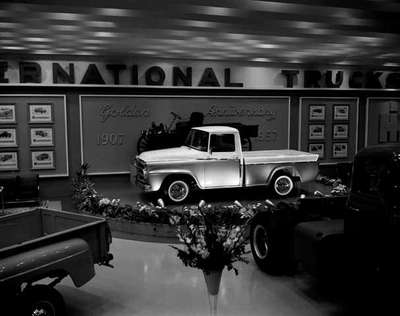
(283,185)
(178,191)
(43,308)
(260,242)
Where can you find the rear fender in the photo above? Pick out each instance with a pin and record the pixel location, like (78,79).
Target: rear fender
(288,170)
(71,257)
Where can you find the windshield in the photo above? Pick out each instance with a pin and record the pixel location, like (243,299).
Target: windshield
(197,139)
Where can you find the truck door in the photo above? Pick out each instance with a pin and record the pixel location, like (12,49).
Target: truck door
(223,167)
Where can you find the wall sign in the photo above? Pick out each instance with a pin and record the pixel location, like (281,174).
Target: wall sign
(383,121)
(112,125)
(191,74)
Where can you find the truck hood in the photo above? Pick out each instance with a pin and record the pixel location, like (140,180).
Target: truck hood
(182,153)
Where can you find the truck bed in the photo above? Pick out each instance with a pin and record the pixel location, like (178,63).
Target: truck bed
(278,156)
(41,227)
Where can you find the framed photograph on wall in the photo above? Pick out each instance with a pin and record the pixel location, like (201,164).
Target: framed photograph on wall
(340,131)
(318,149)
(316,112)
(8,161)
(41,113)
(339,150)
(7,113)
(8,137)
(43,159)
(316,131)
(341,112)
(42,136)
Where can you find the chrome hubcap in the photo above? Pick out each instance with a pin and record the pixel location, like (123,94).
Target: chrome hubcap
(178,191)
(283,185)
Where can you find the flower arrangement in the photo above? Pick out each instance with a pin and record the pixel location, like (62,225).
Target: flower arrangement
(213,238)
(87,199)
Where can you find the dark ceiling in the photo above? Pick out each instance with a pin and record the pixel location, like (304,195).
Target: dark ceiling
(338,32)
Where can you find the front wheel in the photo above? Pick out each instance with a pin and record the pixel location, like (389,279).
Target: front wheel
(283,185)
(177,190)
(43,300)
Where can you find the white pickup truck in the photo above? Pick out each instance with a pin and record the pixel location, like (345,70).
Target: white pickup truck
(212,158)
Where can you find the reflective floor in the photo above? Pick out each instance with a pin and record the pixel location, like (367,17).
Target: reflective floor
(149,280)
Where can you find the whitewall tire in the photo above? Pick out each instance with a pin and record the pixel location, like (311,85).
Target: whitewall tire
(177,191)
(283,185)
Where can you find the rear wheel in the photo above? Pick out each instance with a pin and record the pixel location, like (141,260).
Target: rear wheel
(283,185)
(43,300)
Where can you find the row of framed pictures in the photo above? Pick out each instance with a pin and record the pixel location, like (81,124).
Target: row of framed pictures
(38,113)
(39,160)
(317,112)
(339,150)
(39,136)
(317,131)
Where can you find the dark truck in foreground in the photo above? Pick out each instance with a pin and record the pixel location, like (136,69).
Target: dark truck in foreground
(47,244)
(347,236)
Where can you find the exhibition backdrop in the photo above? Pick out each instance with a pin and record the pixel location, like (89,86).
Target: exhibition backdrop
(111,125)
(33,135)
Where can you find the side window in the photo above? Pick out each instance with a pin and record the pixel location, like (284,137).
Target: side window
(222,143)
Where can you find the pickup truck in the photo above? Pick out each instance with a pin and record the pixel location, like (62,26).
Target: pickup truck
(357,234)
(212,158)
(41,244)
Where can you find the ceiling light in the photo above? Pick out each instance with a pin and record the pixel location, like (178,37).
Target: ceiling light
(10,25)
(37,39)
(92,41)
(66,27)
(65,16)
(104,34)
(267,46)
(261,60)
(44,52)
(13,47)
(101,24)
(212,10)
(197,23)
(115,12)
(391,65)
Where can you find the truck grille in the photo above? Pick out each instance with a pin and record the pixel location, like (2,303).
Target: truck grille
(140,166)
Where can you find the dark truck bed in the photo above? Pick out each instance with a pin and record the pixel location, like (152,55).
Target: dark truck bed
(36,239)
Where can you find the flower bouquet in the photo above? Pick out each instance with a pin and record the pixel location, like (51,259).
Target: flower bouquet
(213,238)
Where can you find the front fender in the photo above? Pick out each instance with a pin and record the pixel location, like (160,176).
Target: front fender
(157,177)
(72,257)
